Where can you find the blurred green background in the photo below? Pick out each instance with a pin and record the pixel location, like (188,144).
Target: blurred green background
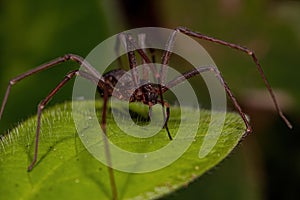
(267,164)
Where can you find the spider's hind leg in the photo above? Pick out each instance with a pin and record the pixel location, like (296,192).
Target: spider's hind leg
(167,117)
(249,52)
(44,102)
(217,73)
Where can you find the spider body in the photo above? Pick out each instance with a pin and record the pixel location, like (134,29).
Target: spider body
(147,93)
(129,87)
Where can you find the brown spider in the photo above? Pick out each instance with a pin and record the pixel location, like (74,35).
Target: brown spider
(149,93)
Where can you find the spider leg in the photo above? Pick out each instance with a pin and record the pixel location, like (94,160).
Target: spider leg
(243,49)
(45,66)
(131,58)
(166,55)
(167,118)
(150,110)
(45,101)
(142,45)
(152,52)
(213,69)
(117,50)
(144,56)
(158,78)
(107,151)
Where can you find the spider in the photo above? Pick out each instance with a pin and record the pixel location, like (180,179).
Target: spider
(148,94)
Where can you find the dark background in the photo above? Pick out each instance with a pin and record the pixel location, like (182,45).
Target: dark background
(267,164)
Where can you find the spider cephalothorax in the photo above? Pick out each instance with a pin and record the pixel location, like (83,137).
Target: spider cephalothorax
(120,85)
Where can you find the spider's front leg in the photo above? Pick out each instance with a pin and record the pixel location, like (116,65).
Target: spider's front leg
(130,44)
(90,74)
(167,106)
(101,84)
(45,101)
(166,119)
(249,52)
(50,64)
(213,69)
(113,186)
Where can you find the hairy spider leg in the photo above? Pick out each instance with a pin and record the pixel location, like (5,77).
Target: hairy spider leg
(167,105)
(107,151)
(156,76)
(131,59)
(142,45)
(251,53)
(92,75)
(166,55)
(117,50)
(45,101)
(218,74)
(133,64)
(45,66)
(254,58)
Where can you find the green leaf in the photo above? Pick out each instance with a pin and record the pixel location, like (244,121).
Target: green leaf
(66,170)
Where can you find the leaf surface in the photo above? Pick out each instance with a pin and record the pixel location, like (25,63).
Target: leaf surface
(66,170)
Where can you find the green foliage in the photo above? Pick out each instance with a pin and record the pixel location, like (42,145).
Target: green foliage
(66,170)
